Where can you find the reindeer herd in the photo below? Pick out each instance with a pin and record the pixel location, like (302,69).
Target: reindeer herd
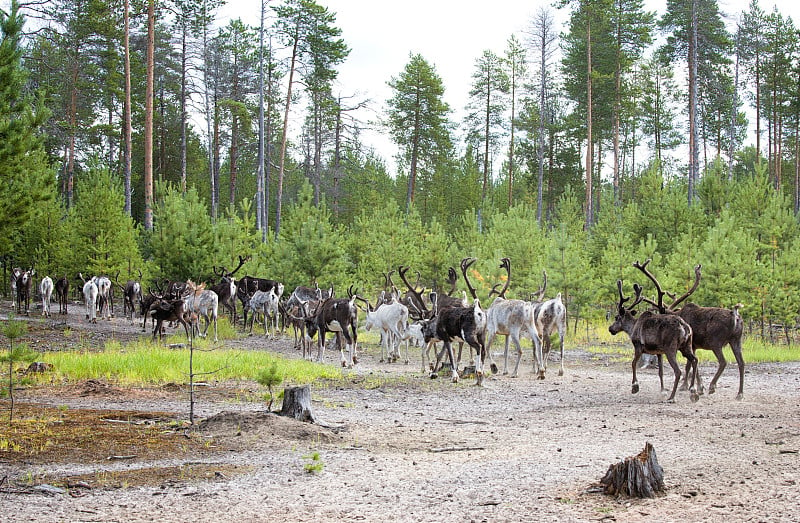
(413,316)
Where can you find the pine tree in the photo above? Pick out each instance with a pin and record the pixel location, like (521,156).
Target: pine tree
(105,240)
(26,177)
(418,122)
(183,244)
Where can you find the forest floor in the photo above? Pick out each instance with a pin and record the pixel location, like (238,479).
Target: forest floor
(398,445)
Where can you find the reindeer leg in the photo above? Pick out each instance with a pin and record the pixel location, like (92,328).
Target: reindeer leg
(635,383)
(661,372)
(721,367)
(736,347)
(505,357)
(448,346)
(538,355)
(479,359)
(515,339)
(561,345)
(677,370)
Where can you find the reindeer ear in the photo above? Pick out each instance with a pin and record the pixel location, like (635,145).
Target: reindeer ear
(633,313)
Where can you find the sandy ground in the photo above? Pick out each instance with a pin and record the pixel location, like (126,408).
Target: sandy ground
(517,449)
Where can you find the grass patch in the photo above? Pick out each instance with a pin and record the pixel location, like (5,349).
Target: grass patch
(144,362)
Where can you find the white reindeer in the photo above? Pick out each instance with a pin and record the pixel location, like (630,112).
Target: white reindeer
(391,319)
(551,316)
(265,303)
(46,290)
(90,298)
(513,319)
(204,303)
(104,295)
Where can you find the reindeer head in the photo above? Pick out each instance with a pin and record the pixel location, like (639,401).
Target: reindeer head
(625,315)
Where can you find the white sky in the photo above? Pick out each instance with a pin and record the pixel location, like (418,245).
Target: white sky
(450,34)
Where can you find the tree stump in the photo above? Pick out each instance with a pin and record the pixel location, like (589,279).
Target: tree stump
(297,403)
(637,476)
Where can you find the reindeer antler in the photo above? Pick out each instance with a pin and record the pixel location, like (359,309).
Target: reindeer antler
(466,263)
(452,278)
(659,291)
(419,303)
(505,263)
(688,293)
(637,298)
(242,261)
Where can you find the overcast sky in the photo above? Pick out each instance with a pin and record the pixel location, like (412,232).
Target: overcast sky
(449,34)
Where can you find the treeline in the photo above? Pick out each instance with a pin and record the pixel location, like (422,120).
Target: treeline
(744,233)
(565,165)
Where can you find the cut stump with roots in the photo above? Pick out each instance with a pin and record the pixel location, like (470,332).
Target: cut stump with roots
(638,476)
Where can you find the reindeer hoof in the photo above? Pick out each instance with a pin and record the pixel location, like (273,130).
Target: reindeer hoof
(540,376)
(494,368)
(561,372)
(740,396)
(634,388)
(694,397)
(433,376)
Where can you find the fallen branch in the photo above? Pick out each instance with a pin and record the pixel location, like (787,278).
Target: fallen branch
(455,449)
(111,458)
(463,421)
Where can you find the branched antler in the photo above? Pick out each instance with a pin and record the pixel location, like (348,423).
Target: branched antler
(505,263)
(415,296)
(465,264)
(452,279)
(659,291)
(688,293)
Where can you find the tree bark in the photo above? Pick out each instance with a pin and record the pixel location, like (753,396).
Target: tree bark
(638,476)
(297,403)
(128,126)
(148,117)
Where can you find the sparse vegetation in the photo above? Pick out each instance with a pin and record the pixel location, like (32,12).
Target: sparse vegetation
(13,330)
(314,465)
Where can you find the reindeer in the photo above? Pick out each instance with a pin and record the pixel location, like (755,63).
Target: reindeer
(169,310)
(226,288)
(299,318)
(418,309)
(24,285)
(246,286)
(712,327)
(15,273)
(653,333)
(551,317)
(513,318)
(204,303)
(131,295)
(391,318)
(462,324)
(339,315)
(265,303)
(62,293)
(104,294)
(46,290)
(90,294)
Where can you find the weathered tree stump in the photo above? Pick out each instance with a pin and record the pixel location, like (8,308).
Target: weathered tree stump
(638,476)
(297,403)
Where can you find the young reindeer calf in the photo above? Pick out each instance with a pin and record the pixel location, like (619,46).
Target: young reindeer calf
(652,333)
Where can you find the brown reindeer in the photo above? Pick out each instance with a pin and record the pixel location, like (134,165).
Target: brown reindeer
(712,327)
(653,333)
